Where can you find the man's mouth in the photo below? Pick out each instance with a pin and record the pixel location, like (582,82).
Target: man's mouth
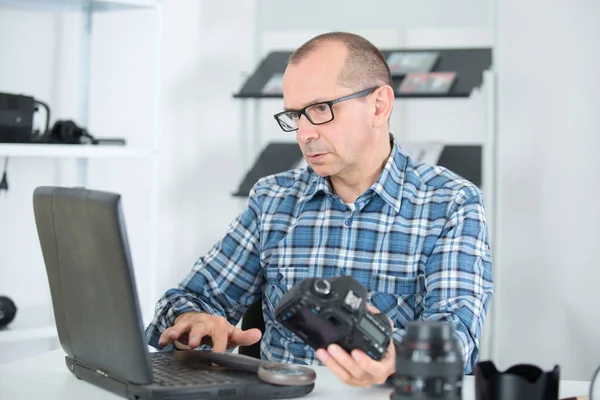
(315,157)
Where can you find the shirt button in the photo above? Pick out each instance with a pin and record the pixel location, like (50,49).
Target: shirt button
(348,222)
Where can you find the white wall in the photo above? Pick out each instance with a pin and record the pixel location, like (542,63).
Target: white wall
(207,49)
(546,130)
(548,60)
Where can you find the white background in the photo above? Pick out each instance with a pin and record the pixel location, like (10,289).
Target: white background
(548,93)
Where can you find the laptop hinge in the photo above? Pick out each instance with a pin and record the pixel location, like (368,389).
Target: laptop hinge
(91,373)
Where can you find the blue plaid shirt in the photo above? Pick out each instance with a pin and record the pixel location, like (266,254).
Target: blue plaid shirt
(417,240)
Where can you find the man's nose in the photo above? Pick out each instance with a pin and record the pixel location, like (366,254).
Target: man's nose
(306,130)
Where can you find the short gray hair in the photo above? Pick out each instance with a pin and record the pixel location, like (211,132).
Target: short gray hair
(364,66)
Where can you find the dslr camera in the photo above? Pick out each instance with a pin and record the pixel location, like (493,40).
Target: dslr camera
(325,311)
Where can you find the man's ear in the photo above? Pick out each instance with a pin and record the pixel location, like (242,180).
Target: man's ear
(384,103)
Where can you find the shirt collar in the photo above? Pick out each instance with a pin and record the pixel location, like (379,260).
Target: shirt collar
(316,184)
(388,186)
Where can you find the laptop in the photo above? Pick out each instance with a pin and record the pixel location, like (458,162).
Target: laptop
(85,248)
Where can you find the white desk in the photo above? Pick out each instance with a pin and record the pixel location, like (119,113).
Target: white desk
(45,376)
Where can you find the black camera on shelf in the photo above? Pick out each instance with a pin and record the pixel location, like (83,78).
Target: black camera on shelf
(8,311)
(325,311)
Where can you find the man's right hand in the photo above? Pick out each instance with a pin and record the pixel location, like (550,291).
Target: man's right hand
(194,328)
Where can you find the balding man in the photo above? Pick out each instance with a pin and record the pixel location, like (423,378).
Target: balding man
(414,235)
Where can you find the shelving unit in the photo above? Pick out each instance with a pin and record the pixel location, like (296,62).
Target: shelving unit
(469,64)
(276,157)
(30,323)
(474,65)
(72,151)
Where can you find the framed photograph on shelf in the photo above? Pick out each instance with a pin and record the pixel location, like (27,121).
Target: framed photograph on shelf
(274,85)
(405,62)
(427,83)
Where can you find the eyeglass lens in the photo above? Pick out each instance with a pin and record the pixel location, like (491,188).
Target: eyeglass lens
(317,114)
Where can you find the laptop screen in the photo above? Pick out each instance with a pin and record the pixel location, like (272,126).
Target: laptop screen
(86,253)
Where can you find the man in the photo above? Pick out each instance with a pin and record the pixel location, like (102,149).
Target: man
(414,235)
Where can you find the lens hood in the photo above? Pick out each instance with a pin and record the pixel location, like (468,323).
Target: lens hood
(519,382)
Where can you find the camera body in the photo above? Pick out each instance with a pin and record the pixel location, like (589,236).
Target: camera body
(325,311)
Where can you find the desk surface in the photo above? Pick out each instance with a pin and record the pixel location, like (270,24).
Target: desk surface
(46,376)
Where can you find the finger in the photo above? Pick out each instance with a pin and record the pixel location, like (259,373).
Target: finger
(230,343)
(173,333)
(327,360)
(163,340)
(345,360)
(219,335)
(379,370)
(391,350)
(196,334)
(340,372)
(372,309)
(245,338)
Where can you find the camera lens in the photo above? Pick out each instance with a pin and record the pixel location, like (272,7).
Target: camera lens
(428,363)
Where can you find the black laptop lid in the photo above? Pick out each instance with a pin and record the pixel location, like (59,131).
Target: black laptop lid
(85,248)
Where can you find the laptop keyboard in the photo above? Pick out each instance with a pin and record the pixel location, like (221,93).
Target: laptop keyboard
(169,372)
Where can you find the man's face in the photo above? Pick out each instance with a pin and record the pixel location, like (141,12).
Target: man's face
(335,147)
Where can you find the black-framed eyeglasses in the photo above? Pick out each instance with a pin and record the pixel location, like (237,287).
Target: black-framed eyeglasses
(317,113)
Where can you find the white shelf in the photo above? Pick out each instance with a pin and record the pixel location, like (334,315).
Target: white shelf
(71,151)
(30,323)
(79,5)
(22,335)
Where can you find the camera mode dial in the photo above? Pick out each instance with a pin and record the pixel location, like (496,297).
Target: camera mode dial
(322,286)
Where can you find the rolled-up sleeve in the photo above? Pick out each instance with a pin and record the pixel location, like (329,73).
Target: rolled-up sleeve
(459,280)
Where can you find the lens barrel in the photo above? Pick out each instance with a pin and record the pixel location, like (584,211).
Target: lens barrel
(429,364)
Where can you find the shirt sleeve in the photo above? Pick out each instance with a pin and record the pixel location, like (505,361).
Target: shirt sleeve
(459,276)
(225,282)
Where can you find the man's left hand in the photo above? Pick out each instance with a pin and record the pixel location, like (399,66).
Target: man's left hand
(357,368)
